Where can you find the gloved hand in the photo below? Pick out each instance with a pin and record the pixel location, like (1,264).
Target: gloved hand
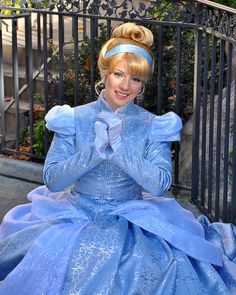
(101,139)
(114,127)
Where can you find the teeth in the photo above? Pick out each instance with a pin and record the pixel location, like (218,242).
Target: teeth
(122,94)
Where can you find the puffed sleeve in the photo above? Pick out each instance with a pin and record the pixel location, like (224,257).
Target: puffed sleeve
(61,119)
(65,163)
(153,169)
(166,128)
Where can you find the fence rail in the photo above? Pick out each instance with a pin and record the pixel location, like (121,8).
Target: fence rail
(48,55)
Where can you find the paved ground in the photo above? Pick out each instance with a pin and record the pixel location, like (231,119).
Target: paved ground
(13,192)
(17,179)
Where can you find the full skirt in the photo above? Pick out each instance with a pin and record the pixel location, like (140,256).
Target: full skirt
(152,247)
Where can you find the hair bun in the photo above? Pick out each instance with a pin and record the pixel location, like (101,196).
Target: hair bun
(134,32)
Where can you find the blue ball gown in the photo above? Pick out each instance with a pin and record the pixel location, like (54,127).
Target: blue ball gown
(100,224)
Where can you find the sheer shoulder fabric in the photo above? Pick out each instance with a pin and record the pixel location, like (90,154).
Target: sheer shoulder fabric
(165,128)
(61,119)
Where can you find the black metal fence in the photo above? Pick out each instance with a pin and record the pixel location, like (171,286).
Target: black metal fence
(48,53)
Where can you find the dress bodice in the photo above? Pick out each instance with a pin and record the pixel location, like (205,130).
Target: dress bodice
(107,181)
(104,183)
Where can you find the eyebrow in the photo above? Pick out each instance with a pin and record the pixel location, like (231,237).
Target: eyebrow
(123,72)
(117,69)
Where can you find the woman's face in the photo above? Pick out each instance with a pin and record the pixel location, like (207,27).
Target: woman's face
(120,86)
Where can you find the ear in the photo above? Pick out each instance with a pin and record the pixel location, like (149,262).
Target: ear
(141,92)
(141,88)
(103,78)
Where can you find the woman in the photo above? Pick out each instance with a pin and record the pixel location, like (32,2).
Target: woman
(99,226)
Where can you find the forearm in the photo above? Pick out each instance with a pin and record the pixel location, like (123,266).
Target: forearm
(154,175)
(65,164)
(60,175)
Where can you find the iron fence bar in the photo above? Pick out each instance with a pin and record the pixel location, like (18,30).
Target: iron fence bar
(84,22)
(218,35)
(178,72)
(159,71)
(233,194)
(61,67)
(76,59)
(137,19)
(29,70)
(13,15)
(103,17)
(227,131)
(2,111)
(218,131)
(182,187)
(50,26)
(211,125)
(15,79)
(62,29)
(26,54)
(109,29)
(196,115)
(178,106)
(13,151)
(74,29)
(39,33)
(95,20)
(204,121)
(45,71)
(92,61)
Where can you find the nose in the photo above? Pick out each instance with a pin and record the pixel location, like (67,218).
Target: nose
(125,83)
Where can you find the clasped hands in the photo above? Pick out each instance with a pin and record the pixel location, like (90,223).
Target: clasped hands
(107,130)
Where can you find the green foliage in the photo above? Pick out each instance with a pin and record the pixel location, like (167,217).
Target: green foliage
(14,4)
(39,137)
(24,136)
(10,4)
(38,97)
(39,133)
(17,4)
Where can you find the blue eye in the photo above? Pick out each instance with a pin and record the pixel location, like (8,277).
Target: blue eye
(118,74)
(136,79)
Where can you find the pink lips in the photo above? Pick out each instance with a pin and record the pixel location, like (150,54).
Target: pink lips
(121,95)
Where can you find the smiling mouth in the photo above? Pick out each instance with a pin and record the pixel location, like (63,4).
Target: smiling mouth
(121,95)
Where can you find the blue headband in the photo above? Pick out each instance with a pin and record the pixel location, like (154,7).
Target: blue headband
(131,49)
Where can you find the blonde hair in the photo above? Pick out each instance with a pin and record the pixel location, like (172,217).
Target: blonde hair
(130,34)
